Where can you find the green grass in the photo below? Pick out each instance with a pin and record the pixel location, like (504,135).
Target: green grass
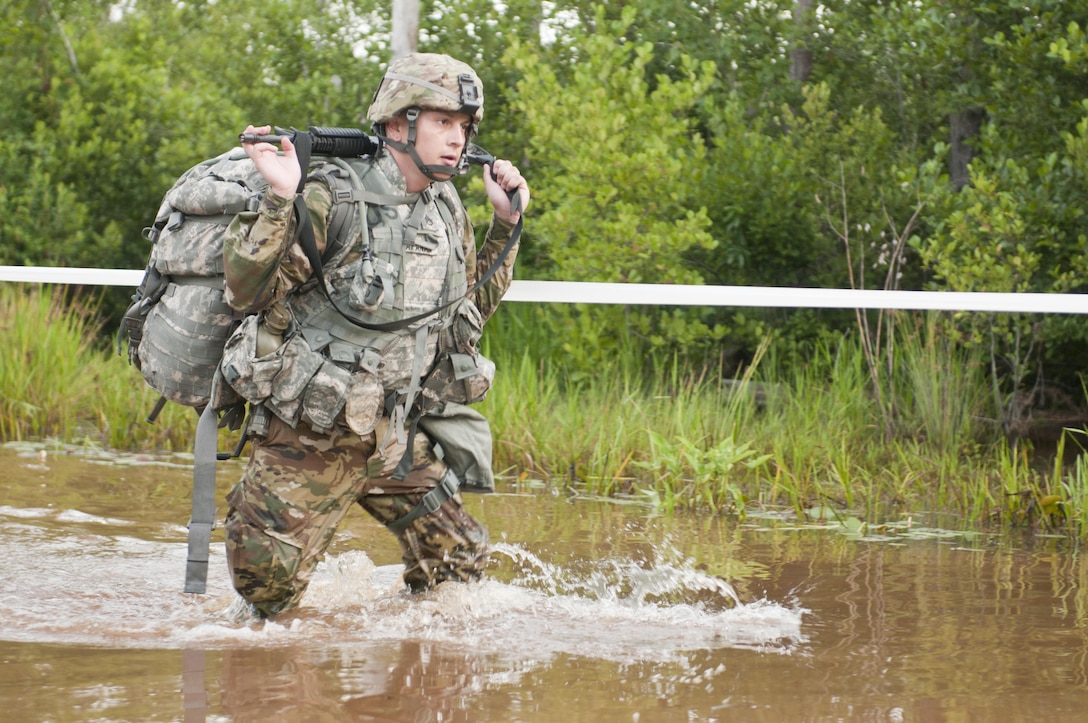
(57,382)
(788,435)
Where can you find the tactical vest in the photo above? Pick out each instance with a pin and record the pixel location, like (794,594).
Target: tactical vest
(393,257)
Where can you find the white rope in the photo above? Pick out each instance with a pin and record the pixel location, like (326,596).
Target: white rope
(59,275)
(780,296)
(571,292)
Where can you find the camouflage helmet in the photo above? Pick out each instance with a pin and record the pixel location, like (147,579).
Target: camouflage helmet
(427,80)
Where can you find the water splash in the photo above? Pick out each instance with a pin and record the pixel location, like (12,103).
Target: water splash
(610,609)
(88,583)
(666,579)
(112,577)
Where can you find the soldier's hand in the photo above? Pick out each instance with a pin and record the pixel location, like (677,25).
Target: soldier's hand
(281,170)
(506,178)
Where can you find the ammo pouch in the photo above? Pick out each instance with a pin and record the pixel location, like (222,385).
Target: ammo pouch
(460,378)
(298,384)
(462,375)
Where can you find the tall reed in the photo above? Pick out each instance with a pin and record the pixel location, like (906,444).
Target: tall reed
(56,383)
(801,433)
(46,363)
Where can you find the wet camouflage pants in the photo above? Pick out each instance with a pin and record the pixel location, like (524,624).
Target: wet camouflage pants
(298,487)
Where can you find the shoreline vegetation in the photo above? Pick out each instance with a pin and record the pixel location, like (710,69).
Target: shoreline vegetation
(808,438)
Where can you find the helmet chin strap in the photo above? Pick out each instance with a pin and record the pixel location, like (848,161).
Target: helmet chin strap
(409,148)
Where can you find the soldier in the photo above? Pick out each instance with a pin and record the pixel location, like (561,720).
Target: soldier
(342,400)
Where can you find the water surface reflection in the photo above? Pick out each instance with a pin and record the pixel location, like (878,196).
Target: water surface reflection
(594,611)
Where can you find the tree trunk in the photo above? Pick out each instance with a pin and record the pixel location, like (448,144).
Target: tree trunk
(963,126)
(405,38)
(801,54)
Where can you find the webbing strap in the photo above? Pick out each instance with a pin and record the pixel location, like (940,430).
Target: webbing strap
(205,452)
(404,466)
(430,502)
(211,282)
(415,218)
(417,367)
(433,87)
(373,197)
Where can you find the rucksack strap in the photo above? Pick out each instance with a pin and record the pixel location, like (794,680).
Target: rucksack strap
(202,522)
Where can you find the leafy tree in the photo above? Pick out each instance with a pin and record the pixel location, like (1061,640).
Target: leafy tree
(768,142)
(616,171)
(116,101)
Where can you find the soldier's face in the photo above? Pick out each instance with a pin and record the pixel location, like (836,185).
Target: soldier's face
(441,136)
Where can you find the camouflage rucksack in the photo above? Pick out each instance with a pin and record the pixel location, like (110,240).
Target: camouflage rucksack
(179,321)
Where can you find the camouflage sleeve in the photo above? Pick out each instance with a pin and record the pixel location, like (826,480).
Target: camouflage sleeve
(261,261)
(489,295)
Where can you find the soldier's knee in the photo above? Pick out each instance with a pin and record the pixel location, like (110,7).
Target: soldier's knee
(264,570)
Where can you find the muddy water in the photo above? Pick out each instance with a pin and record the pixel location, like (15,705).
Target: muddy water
(594,611)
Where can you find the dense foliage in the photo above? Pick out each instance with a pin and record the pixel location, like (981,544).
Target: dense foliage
(874,144)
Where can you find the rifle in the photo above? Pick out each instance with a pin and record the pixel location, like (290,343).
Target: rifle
(354,142)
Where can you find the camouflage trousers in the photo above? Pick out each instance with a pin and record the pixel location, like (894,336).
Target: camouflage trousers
(296,490)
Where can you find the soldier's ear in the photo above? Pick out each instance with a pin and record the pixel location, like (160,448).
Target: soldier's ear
(395,128)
